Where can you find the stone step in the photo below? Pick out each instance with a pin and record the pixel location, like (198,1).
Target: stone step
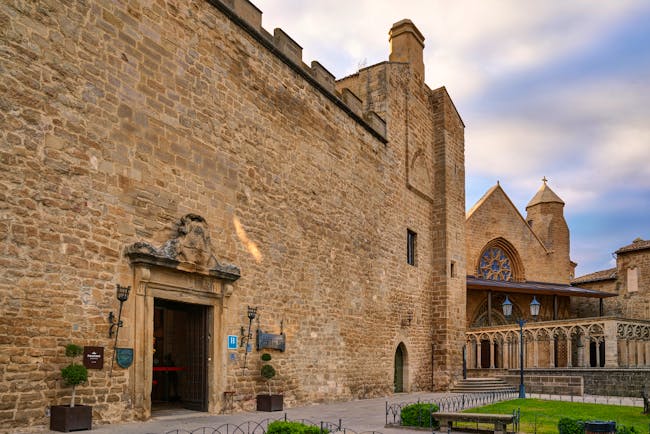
(476,385)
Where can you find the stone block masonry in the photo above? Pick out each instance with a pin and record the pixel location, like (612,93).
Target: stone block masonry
(118,120)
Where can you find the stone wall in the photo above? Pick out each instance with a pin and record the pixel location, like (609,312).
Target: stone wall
(120,119)
(553,384)
(628,304)
(575,381)
(610,382)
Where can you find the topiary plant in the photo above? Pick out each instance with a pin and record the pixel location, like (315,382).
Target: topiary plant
(568,425)
(267,371)
(74,374)
(419,415)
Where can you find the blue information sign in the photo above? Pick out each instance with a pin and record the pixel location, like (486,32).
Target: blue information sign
(232,342)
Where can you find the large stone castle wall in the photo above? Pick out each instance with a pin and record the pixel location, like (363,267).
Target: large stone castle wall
(117,120)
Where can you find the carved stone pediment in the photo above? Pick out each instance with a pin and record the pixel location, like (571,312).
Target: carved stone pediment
(190,249)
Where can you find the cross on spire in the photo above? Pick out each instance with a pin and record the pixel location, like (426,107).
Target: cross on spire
(544,180)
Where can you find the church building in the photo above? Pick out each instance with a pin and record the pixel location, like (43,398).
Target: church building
(580,335)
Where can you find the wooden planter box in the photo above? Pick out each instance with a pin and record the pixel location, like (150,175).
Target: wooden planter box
(65,418)
(269,402)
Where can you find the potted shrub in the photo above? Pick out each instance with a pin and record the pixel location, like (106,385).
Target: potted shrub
(268,402)
(70,417)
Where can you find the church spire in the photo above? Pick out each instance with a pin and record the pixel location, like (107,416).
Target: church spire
(544,195)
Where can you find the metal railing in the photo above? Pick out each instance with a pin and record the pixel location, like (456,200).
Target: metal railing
(451,403)
(261,427)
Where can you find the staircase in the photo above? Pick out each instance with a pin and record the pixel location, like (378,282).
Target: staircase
(483,384)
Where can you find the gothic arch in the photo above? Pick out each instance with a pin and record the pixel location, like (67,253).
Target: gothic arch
(479,318)
(400,367)
(514,270)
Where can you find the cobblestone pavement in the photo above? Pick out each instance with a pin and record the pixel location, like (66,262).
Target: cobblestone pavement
(359,415)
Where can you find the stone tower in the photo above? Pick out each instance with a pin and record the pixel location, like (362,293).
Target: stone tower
(545,216)
(406,45)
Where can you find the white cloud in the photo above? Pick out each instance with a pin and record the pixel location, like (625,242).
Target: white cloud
(469,43)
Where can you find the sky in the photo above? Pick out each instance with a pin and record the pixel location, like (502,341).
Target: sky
(557,89)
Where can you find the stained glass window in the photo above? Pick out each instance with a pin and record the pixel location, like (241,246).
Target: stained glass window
(495,265)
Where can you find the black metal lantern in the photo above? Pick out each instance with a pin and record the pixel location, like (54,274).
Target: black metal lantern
(252,311)
(123,293)
(122,296)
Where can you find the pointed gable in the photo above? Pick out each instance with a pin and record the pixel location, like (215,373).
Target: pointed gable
(495,216)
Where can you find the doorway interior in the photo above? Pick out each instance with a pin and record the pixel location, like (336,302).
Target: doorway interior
(180,356)
(400,369)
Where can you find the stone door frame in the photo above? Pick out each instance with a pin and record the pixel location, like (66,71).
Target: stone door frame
(187,286)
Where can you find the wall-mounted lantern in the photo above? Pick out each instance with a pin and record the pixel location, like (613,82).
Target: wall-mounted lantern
(122,296)
(246,337)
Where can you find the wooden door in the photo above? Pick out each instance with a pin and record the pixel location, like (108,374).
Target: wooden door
(399,370)
(196,378)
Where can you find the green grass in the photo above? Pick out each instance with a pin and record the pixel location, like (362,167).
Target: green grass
(541,417)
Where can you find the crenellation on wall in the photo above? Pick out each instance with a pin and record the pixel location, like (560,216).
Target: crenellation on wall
(246,10)
(324,77)
(352,100)
(287,46)
(247,13)
(376,122)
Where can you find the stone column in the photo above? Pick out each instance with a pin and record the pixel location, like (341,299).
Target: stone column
(491,341)
(640,353)
(506,354)
(581,351)
(535,352)
(598,353)
(569,351)
(551,352)
(611,344)
(647,353)
(587,351)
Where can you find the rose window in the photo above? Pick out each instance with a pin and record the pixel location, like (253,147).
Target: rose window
(495,265)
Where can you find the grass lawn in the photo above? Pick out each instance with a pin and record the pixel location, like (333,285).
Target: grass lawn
(541,417)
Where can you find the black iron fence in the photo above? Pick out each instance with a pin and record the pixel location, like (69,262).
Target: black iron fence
(261,427)
(450,403)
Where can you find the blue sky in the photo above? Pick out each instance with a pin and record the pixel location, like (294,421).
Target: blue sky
(547,88)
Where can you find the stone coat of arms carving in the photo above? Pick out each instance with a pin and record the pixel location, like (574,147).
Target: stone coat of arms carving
(190,244)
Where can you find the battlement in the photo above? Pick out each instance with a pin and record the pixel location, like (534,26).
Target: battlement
(249,17)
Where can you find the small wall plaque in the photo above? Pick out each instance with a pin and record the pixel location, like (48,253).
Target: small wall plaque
(124,357)
(94,357)
(269,340)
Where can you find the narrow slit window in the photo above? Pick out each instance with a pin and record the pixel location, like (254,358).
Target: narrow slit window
(410,246)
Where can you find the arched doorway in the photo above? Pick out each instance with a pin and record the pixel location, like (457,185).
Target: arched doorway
(399,378)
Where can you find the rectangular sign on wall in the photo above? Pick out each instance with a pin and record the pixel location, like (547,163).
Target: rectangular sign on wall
(232,342)
(94,357)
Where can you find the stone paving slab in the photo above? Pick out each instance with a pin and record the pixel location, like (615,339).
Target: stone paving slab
(358,415)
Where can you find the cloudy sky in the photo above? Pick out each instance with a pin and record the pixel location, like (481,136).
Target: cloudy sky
(549,88)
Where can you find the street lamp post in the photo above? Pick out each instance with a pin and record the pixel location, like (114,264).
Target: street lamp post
(507,312)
